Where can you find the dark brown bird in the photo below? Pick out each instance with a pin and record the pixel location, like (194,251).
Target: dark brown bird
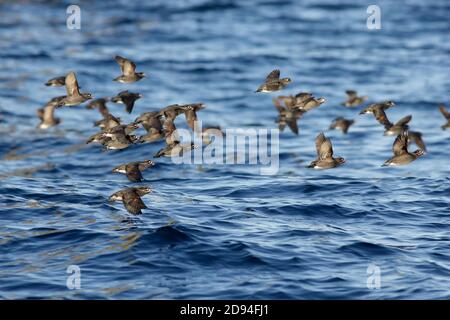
(341,123)
(446,115)
(133,169)
(377,106)
(325,158)
(127,98)
(56,82)
(273,82)
(353,100)
(309,103)
(74,97)
(131,198)
(401,154)
(129,74)
(47,116)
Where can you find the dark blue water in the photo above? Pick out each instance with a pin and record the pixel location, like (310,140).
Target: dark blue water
(226,231)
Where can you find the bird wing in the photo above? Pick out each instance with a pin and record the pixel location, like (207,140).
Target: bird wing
(274,75)
(400,145)
(133,202)
(351,94)
(191,117)
(381,117)
(72,87)
(129,103)
(48,113)
(133,173)
(292,123)
(323,147)
(40,113)
(129,68)
(153,124)
(417,138)
(444,111)
(278,105)
(145,165)
(403,121)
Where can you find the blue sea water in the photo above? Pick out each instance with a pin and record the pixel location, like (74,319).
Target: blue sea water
(225,231)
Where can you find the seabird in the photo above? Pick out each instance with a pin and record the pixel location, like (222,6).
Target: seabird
(353,100)
(341,123)
(127,98)
(74,97)
(273,82)
(401,154)
(133,169)
(56,82)
(129,74)
(325,159)
(131,198)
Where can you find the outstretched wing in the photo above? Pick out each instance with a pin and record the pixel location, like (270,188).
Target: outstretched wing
(400,145)
(381,117)
(278,105)
(133,173)
(127,66)
(274,75)
(324,147)
(72,84)
(133,202)
(292,123)
(403,121)
(417,138)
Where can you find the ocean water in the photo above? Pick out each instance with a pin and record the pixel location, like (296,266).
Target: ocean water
(226,231)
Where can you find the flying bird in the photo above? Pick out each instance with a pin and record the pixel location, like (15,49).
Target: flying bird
(127,98)
(401,154)
(129,74)
(325,159)
(131,198)
(353,100)
(273,82)
(133,169)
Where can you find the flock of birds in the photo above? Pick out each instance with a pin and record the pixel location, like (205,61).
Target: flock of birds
(160,125)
